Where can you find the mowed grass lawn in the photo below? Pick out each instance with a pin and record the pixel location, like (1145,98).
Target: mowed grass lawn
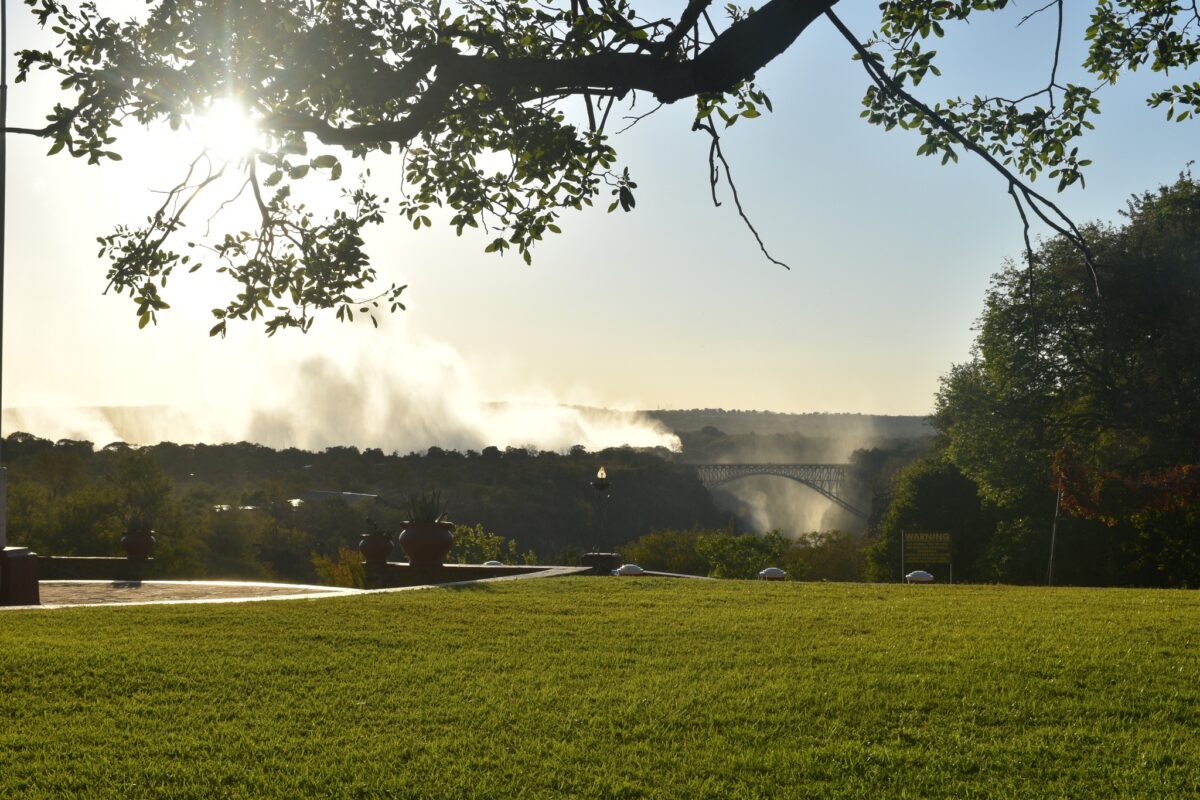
(601,687)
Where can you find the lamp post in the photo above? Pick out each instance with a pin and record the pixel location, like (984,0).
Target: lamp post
(601,563)
(601,485)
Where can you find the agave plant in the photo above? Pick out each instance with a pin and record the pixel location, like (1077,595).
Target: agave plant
(426,506)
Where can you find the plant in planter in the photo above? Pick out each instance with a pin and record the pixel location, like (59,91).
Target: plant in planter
(427,537)
(375,545)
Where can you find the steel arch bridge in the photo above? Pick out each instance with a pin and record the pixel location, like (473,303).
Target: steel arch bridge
(827,480)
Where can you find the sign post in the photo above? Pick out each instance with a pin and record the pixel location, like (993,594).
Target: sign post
(926,549)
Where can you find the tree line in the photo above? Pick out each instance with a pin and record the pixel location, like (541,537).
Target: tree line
(249,511)
(228,510)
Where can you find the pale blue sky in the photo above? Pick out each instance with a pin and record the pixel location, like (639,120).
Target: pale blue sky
(671,306)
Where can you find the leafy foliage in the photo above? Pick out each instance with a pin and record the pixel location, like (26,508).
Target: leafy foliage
(740,556)
(826,556)
(933,495)
(344,569)
(473,97)
(228,509)
(667,551)
(1091,396)
(1034,133)
(142,489)
(474,545)
(832,555)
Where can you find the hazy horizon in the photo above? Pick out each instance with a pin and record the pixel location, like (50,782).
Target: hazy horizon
(544,425)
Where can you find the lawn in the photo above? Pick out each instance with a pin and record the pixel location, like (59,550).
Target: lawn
(601,687)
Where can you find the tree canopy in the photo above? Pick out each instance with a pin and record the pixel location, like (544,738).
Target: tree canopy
(1093,397)
(1066,385)
(457,88)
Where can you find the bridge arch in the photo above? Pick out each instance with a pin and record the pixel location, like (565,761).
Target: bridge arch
(827,480)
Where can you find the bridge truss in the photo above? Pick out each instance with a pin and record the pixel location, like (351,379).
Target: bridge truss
(828,480)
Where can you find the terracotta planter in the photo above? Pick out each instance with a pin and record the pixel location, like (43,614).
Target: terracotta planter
(427,543)
(375,547)
(138,545)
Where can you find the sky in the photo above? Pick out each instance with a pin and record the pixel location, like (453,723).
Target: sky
(671,306)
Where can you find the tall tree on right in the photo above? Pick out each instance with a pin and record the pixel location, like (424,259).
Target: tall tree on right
(1093,394)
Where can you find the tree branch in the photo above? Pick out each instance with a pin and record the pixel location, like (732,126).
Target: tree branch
(713,176)
(426,111)
(752,42)
(734,56)
(689,17)
(1039,204)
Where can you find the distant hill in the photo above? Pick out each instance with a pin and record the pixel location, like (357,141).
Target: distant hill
(817,425)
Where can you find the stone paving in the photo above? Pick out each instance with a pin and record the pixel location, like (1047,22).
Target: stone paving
(66,593)
(58,593)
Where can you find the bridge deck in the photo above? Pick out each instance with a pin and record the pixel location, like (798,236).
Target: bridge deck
(828,480)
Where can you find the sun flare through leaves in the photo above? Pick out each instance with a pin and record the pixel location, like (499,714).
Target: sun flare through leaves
(229,130)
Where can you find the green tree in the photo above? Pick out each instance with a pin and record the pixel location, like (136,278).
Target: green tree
(346,569)
(59,469)
(452,85)
(474,545)
(826,556)
(667,551)
(741,555)
(1093,394)
(142,488)
(932,494)
(233,540)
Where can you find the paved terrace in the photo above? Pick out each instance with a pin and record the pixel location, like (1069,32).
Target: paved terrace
(68,594)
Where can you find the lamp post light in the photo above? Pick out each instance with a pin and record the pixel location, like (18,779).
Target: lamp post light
(601,485)
(601,482)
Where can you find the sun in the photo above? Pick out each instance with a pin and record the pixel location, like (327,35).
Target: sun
(229,130)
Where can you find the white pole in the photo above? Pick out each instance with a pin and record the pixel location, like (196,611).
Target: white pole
(3,186)
(1053,538)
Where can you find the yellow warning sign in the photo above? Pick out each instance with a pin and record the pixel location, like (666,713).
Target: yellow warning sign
(926,548)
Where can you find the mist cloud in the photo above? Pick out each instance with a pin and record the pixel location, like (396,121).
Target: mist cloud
(405,397)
